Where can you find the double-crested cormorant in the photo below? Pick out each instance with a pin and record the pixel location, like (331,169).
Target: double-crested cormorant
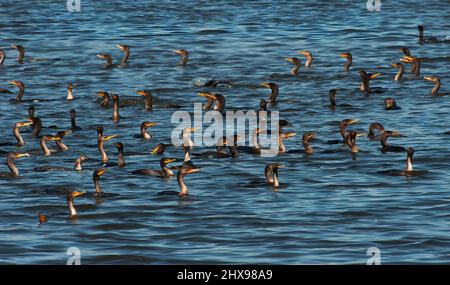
(373,127)
(348,56)
(185,169)
(309,57)
(365,79)
(422,39)
(297,64)
(165,172)
(106,98)
(385,147)
(218,100)
(126,54)
(96,177)
(2,56)
(332,97)
(107,58)
(100,145)
(281,137)
(437,84)
(184,56)
(14,172)
(16,132)
(21,87)
(43,143)
(415,63)
(390,104)
(120,157)
(144,133)
(148,98)
(350,141)
(116,115)
(73,123)
(400,71)
(307,137)
(79,161)
(21,51)
(275,91)
(214,83)
(70,197)
(271,173)
(69,92)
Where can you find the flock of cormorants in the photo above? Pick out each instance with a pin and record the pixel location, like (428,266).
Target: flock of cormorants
(227,147)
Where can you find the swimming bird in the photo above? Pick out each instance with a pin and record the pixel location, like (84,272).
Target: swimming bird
(218,100)
(96,177)
(437,84)
(332,97)
(121,159)
(214,83)
(107,58)
(2,56)
(126,54)
(79,161)
(306,142)
(385,147)
(423,39)
(106,98)
(271,174)
(343,126)
(309,57)
(400,70)
(21,86)
(297,64)
(350,141)
(163,173)
(69,92)
(274,88)
(348,56)
(148,98)
(365,80)
(415,64)
(116,115)
(182,172)
(21,51)
(184,56)
(100,145)
(391,104)
(73,123)
(373,127)
(14,172)
(71,196)
(144,133)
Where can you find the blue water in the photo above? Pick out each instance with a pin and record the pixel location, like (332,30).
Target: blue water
(331,207)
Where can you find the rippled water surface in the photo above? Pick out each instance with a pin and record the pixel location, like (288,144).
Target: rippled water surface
(331,207)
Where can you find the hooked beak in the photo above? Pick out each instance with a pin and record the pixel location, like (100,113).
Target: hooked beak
(361,134)
(372,76)
(155,149)
(289,59)
(54,139)
(19,155)
(141,92)
(102,56)
(78,194)
(353,121)
(169,160)
(407,59)
(177,51)
(102,171)
(287,135)
(394,65)
(344,55)
(14,82)
(428,78)
(151,124)
(207,95)
(107,138)
(192,170)
(121,47)
(23,124)
(264,84)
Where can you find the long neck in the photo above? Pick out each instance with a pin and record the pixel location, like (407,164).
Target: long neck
(274,95)
(208,104)
(126,54)
(415,68)
(78,163)
(295,69)
(409,166)
(121,159)
(184,59)
(436,87)
(20,93)
(365,84)
(255,139)
(149,102)
(343,130)
(269,176)
(116,116)
(166,170)
(61,146)
(102,151)
(72,210)
(37,128)
(399,74)
(18,137)
(73,123)
(383,140)
(12,167)
(69,94)
(98,190)
(308,61)
(21,56)
(281,146)
(421,35)
(145,134)
(44,147)
(183,188)
(109,62)
(2,58)
(219,106)
(276,183)
(332,100)
(307,147)
(187,153)
(348,64)
(234,152)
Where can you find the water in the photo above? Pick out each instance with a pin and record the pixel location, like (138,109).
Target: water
(330,208)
